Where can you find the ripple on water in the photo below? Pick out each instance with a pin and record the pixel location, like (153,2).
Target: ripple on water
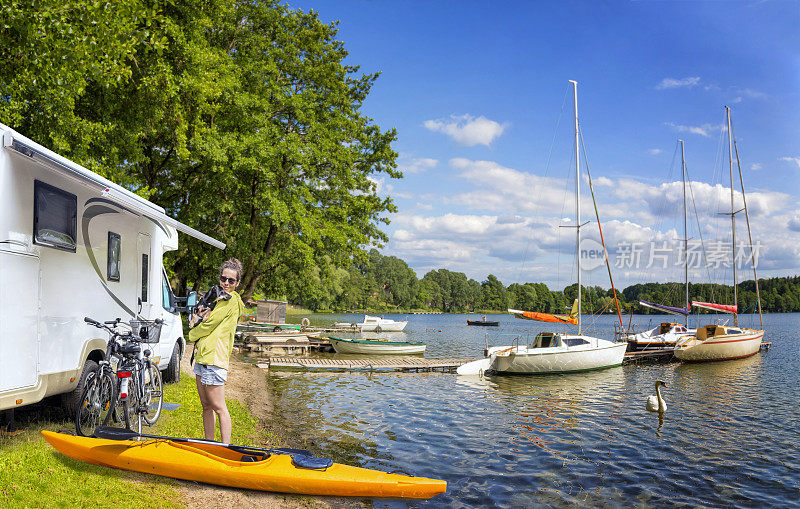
(730,435)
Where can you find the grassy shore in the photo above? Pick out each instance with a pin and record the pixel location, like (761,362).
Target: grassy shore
(33,474)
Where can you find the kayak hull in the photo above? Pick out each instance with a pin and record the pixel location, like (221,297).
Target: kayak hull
(216,464)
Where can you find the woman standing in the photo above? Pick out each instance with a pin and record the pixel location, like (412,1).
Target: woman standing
(214,342)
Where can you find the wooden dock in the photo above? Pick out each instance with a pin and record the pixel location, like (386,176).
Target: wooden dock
(389,364)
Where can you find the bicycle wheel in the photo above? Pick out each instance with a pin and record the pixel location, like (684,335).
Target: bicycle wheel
(96,403)
(130,407)
(153,395)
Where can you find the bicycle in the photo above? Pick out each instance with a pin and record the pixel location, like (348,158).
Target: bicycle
(141,388)
(127,383)
(99,397)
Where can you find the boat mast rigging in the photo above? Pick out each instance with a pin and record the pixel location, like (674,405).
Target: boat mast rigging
(733,219)
(685,234)
(577,198)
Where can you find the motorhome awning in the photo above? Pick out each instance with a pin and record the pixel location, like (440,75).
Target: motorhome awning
(108,189)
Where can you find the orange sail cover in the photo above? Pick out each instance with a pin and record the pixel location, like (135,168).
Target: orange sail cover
(546,317)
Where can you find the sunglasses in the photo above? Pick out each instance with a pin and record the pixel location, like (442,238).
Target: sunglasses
(223,279)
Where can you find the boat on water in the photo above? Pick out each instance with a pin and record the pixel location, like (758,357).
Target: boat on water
(482,323)
(555,352)
(291,472)
(720,342)
(377,346)
(376,324)
(666,335)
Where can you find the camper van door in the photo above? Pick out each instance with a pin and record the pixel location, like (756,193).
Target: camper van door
(146,294)
(19,319)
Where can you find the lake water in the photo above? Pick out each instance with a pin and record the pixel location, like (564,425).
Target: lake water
(730,436)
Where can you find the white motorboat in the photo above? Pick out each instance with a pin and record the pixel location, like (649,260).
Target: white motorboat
(665,335)
(376,346)
(378,324)
(555,352)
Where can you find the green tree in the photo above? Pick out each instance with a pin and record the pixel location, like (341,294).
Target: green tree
(495,295)
(241,119)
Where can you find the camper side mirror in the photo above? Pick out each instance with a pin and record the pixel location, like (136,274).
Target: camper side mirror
(191,301)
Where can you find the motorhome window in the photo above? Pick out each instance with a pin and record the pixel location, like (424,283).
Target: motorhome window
(55,217)
(114,248)
(167,297)
(145,272)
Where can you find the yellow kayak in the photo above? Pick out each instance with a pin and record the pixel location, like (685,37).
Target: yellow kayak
(217,464)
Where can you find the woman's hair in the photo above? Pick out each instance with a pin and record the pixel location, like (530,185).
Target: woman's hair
(232,264)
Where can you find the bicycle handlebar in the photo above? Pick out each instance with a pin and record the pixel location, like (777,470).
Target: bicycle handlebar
(91,322)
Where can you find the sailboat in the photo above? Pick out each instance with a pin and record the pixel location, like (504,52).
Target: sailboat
(667,334)
(555,352)
(721,342)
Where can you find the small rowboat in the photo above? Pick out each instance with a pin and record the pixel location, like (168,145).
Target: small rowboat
(376,346)
(289,472)
(484,323)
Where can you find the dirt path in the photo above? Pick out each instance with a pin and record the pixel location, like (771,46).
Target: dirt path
(247,384)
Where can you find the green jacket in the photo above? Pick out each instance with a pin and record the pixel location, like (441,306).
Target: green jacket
(214,336)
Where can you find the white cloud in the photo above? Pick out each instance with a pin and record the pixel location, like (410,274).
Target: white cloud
(703,130)
(654,151)
(689,82)
(751,94)
(793,160)
(756,166)
(468,130)
(418,165)
(794,222)
(509,221)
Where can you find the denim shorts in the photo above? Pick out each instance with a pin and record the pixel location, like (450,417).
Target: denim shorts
(210,375)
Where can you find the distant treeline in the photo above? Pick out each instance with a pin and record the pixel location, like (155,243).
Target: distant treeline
(387,283)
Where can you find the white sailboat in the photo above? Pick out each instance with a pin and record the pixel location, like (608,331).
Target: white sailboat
(552,352)
(719,342)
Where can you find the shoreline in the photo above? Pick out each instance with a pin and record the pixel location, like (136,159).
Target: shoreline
(247,384)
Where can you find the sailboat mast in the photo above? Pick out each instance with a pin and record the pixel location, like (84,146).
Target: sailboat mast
(733,218)
(577,197)
(749,235)
(685,232)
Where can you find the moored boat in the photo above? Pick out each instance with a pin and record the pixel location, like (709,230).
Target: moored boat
(558,353)
(665,335)
(719,343)
(482,323)
(376,346)
(378,324)
(552,352)
(217,464)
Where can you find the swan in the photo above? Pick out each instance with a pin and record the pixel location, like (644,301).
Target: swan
(657,403)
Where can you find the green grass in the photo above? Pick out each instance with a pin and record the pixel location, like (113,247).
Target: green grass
(33,474)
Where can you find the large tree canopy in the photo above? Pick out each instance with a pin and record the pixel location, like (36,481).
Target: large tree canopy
(240,118)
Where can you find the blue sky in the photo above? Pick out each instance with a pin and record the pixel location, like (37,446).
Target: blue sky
(478,92)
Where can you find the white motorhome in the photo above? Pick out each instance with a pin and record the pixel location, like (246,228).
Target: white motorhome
(74,244)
